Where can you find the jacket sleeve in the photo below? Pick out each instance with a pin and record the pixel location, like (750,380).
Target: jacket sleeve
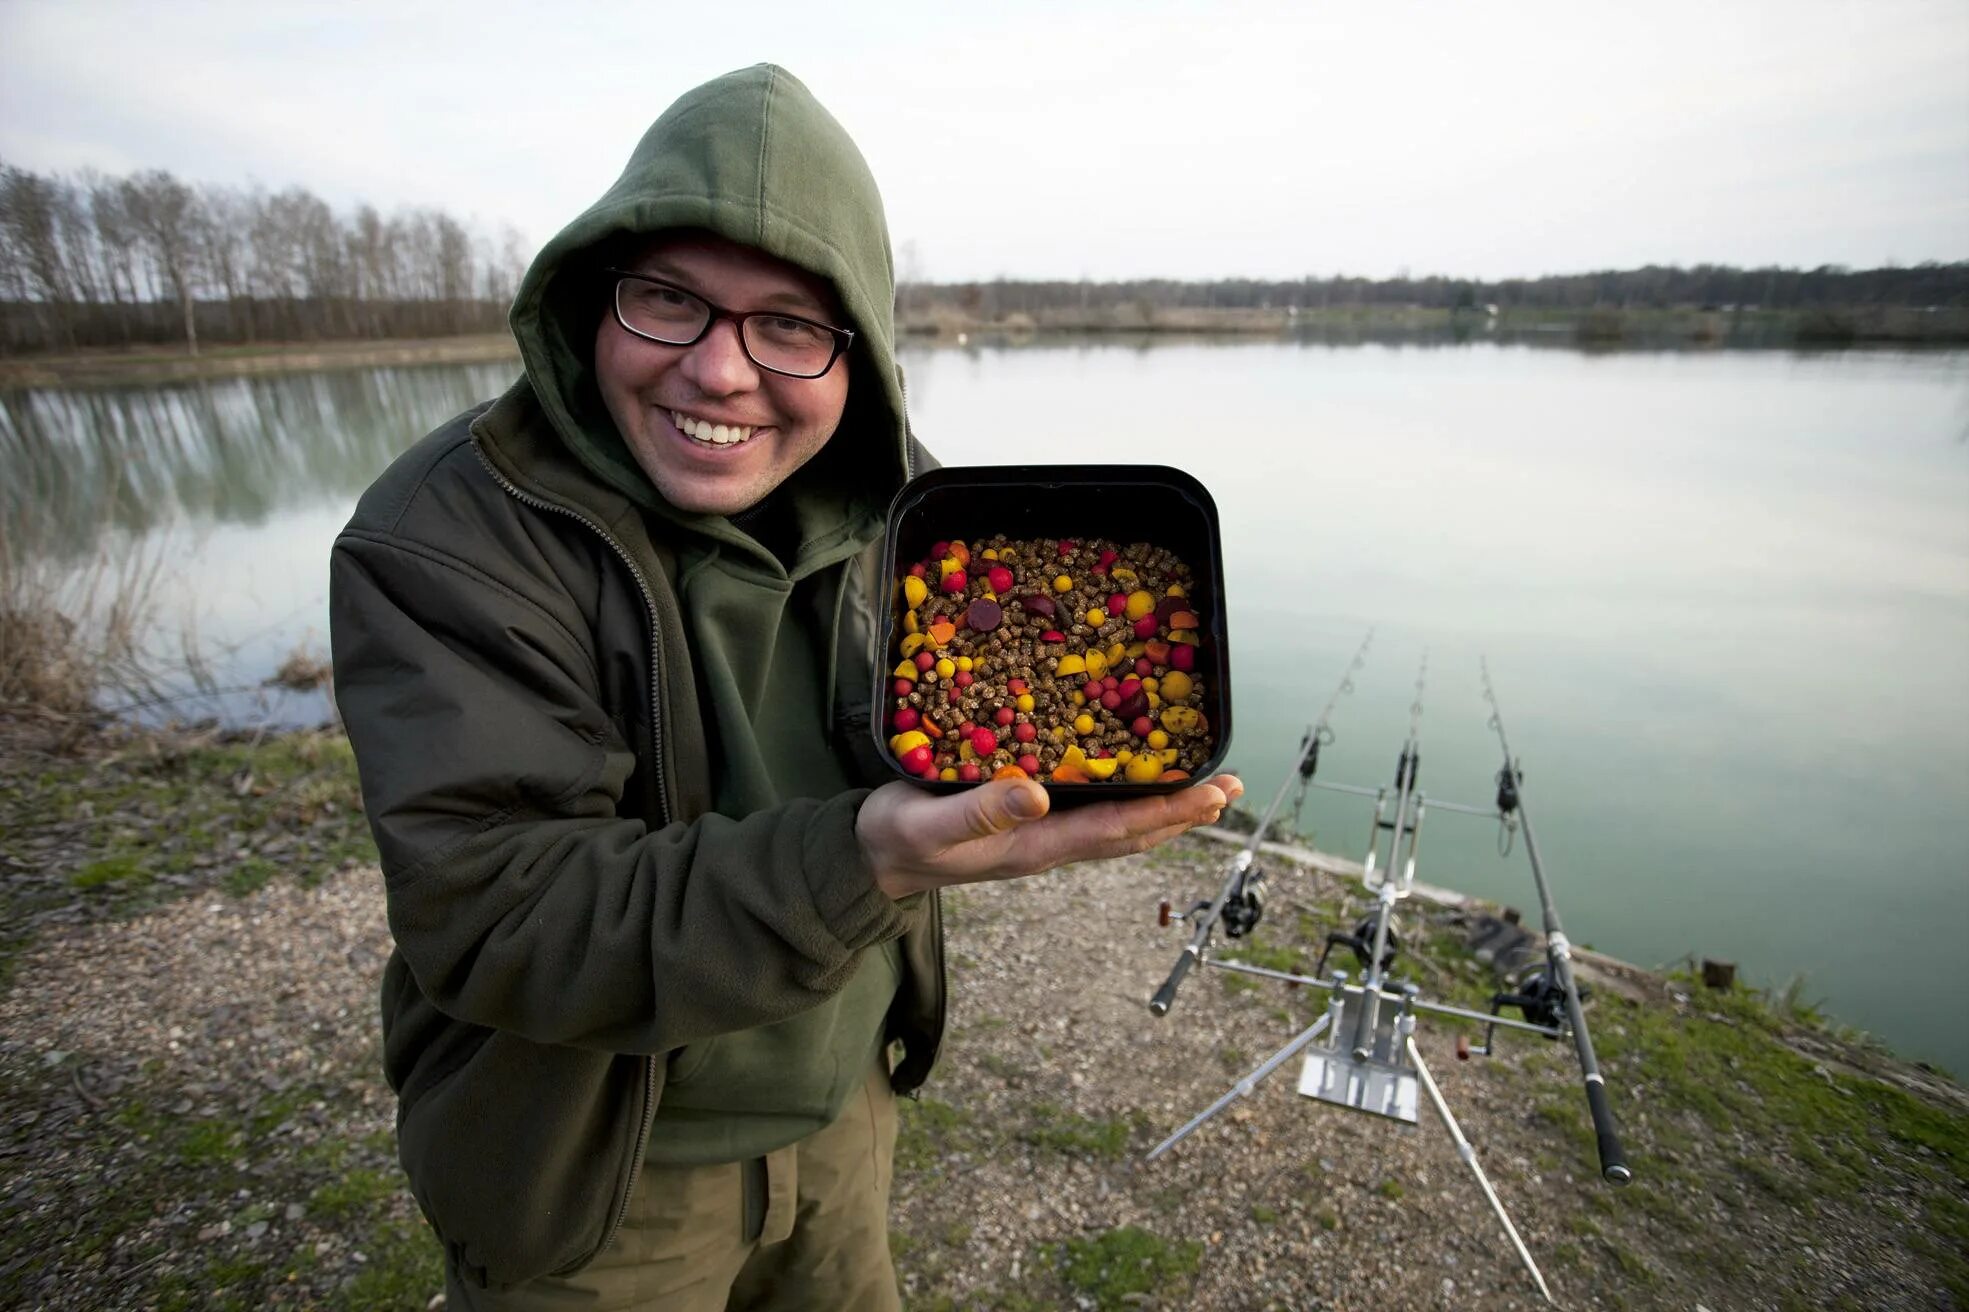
(519,898)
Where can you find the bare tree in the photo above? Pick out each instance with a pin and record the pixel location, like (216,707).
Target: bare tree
(28,217)
(166,215)
(116,244)
(225,222)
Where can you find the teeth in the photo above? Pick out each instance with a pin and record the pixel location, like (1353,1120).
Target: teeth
(715,434)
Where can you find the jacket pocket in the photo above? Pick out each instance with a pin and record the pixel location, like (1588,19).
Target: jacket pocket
(687,1063)
(519,1155)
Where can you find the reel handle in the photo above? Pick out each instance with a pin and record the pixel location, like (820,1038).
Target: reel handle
(1613,1159)
(1159,1004)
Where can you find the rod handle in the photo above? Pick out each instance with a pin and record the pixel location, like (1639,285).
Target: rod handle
(1613,1161)
(1159,1004)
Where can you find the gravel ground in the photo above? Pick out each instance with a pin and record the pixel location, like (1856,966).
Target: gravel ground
(191,1108)
(190,1116)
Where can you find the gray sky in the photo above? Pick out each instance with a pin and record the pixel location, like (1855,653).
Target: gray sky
(1098,140)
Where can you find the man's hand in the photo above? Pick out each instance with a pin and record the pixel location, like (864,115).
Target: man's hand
(1001,830)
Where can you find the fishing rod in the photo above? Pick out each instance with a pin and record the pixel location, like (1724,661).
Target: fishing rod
(1557,984)
(1362,1053)
(1240,903)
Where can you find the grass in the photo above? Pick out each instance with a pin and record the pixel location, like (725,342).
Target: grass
(199,1202)
(350,1194)
(135,822)
(927,1130)
(1251,952)
(1117,1268)
(1729,1063)
(126,869)
(1057,1130)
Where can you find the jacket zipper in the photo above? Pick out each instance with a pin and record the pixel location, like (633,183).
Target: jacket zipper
(943,987)
(908,433)
(648,1115)
(936,896)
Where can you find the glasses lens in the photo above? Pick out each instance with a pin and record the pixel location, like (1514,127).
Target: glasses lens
(788,346)
(666,314)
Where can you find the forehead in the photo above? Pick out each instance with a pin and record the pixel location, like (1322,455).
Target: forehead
(735,275)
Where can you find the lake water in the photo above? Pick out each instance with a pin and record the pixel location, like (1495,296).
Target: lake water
(1724,597)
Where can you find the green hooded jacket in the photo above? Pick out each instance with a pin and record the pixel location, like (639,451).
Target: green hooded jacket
(549,677)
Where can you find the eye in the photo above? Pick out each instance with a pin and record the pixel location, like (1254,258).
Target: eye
(791,332)
(657,302)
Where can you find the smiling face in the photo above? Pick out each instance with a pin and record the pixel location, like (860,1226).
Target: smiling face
(674,404)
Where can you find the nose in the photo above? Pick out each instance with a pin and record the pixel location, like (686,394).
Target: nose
(717,364)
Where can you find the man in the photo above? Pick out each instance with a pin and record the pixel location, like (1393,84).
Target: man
(604,650)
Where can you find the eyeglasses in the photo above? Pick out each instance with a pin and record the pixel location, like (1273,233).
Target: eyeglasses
(779,343)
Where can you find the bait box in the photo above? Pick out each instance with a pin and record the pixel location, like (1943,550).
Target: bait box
(1162,506)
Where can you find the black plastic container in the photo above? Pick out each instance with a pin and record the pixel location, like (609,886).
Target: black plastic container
(1128,503)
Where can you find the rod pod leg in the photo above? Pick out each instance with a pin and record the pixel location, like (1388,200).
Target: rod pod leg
(1243,1088)
(1469,1156)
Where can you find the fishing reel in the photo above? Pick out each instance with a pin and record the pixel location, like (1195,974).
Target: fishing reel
(1507,806)
(1361,944)
(1507,789)
(1540,998)
(1309,748)
(1245,907)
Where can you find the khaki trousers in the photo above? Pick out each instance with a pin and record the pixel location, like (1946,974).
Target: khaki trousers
(806,1227)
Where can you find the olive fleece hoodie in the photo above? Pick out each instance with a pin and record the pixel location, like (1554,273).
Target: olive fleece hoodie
(555,682)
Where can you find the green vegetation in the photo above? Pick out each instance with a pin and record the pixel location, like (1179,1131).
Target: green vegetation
(128,823)
(127,869)
(177,1173)
(926,1130)
(1724,1056)
(1114,1269)
(1056,1130)
(1252,952)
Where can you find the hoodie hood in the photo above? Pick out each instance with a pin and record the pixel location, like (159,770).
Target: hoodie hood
(754,158)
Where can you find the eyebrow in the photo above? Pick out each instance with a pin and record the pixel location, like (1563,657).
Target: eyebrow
(807,305)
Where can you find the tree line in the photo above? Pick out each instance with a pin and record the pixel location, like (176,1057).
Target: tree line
(1710,286)
(91,260)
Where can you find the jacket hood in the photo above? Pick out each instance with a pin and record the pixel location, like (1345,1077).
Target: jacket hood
(754,158)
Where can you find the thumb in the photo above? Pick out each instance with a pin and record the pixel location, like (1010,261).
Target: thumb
(1003,804)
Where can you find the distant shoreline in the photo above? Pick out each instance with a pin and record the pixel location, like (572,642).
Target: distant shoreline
(163,365)
(1603,326)
(1597,328)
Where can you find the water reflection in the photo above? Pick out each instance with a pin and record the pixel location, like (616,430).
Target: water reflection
(85,463)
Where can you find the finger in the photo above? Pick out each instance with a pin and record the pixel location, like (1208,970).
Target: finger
(1230,785)
(1105,829)
(1134,843)
(982,812)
